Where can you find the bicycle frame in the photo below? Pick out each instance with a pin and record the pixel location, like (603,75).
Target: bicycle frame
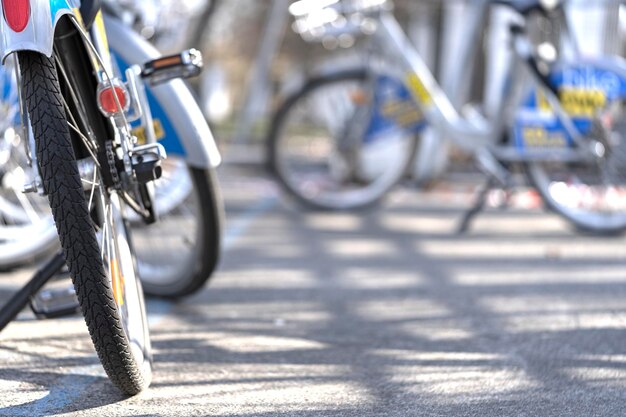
(478,134)
(186,131)
(437,107)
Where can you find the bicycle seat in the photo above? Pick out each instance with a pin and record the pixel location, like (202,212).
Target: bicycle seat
(525,7)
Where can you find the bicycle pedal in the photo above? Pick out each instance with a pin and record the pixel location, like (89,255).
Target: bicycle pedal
(55,302)
(186,64)
(146,162)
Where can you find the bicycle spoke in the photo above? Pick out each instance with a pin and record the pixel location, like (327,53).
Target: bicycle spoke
(91,148)
(74,96)
(104,231)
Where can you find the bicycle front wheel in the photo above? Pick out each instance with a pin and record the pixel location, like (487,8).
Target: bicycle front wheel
(321,146)
(90,224)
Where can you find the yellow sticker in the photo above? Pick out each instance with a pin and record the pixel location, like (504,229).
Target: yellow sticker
(102,36)
(419,90)
(403,112)
(140,132)
(582,102)
(576,102)
(542,102)
(78,16)
(538,137)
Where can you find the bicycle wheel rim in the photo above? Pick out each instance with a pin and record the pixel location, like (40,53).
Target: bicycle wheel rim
(377,164)
(119,265)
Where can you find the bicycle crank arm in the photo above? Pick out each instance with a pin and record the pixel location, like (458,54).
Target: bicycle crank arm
(187,64)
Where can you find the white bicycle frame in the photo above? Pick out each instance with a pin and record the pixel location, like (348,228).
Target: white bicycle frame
(38,32)
(474,134)
(433,101)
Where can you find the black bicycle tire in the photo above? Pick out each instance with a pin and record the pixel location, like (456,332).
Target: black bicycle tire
(273,139)
(62,182)
(211,225)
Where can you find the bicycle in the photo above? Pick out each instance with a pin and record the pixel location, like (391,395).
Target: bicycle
(187,193)
(556,120)
(76,113)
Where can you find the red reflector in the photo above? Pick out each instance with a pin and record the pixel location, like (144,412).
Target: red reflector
(107,102)
(16,13)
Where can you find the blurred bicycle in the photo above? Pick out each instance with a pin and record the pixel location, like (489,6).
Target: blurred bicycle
(26,227)
(347,137)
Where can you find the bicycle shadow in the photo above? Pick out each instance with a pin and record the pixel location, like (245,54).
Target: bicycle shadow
(405,320)
(379,313)
(63,394)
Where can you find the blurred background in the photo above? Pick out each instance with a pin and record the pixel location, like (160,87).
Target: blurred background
(389,311)
(256,52)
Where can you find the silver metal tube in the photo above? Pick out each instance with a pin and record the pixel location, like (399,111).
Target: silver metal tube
(461,64)
(437,107)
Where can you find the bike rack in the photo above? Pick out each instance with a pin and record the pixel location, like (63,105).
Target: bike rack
(23,297)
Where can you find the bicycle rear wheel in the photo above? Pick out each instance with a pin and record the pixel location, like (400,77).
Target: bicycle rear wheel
(590,195)
(320,150)
(89,220)
(178,254)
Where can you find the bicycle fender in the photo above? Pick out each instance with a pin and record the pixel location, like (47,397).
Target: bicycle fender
(178,103)
(38,33)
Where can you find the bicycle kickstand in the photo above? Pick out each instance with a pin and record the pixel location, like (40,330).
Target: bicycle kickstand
(22,298)
(479,205)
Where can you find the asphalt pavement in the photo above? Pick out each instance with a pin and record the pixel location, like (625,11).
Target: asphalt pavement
(386,312)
